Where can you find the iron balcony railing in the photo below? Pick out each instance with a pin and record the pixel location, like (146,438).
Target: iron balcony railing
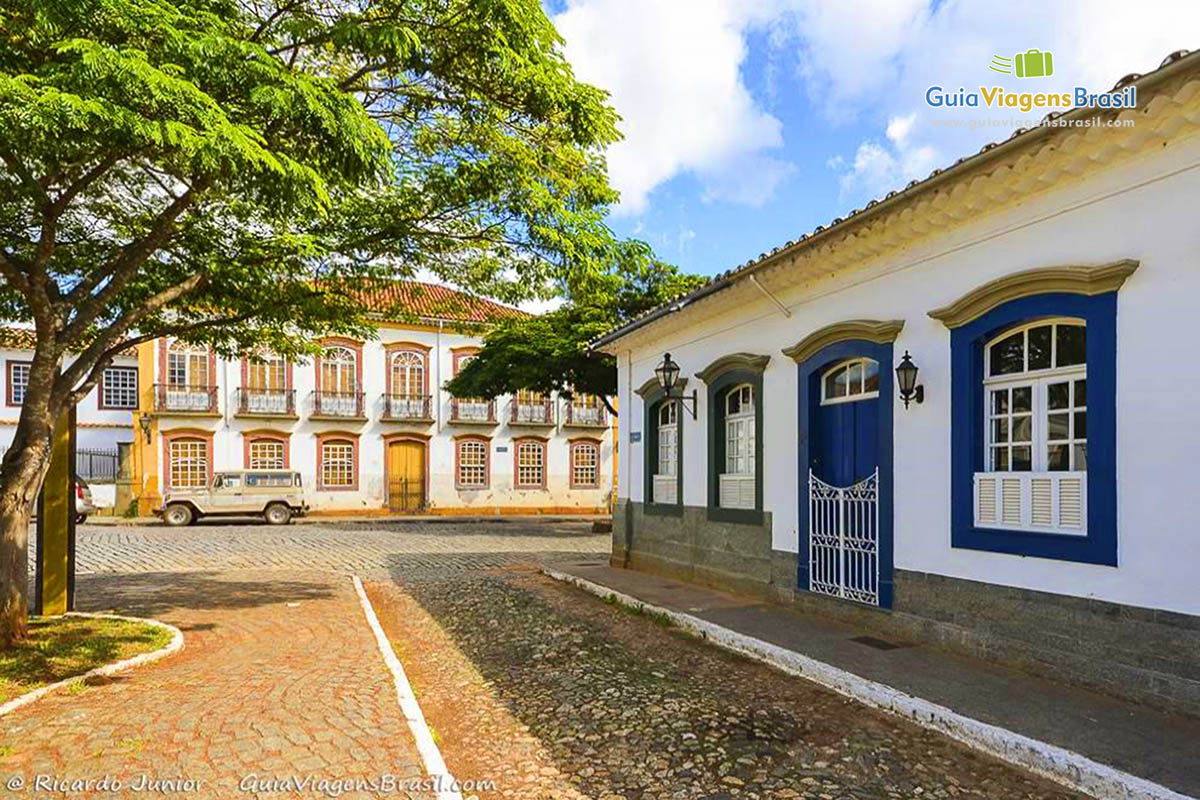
(540,413)
(472,410)
(176,398)
(274,402)
(407,407)
(587,415)
(337,404)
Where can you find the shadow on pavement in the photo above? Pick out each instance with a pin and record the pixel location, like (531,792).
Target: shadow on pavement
(156,593)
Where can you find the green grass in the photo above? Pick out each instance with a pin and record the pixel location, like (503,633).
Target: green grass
(63,647)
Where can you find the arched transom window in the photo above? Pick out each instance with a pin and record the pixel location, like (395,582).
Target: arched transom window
(187,366)
(1036,398)
(739,431)
(850,381)
(338,370)
(668,438)
(408,374)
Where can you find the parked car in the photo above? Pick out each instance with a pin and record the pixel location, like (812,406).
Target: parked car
(276,495)
(83,501)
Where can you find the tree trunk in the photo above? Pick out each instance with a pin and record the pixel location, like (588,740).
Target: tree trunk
(21,475)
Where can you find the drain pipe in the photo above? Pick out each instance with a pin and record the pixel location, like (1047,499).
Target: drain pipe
(629,462)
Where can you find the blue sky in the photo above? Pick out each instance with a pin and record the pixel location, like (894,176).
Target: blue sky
(749,122)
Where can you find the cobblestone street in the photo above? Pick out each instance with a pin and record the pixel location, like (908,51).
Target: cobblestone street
(531,684)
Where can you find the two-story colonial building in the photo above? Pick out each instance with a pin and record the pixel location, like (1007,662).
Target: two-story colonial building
(963,413)
(369,425)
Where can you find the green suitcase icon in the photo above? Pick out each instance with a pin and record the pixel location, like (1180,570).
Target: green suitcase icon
(1034,64)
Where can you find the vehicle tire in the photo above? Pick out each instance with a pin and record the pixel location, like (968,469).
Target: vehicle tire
(80,519)
(277,514)
(178,515)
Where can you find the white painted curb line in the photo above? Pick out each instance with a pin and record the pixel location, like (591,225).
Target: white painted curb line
(175,644)
(1064,766)
(435,766)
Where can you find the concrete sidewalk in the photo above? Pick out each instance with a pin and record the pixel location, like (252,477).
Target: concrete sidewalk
(1157,747)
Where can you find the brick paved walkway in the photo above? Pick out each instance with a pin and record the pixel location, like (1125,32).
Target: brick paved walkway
(279,677)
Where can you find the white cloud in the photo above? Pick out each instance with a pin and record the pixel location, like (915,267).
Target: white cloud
(1094,42)
(674,73)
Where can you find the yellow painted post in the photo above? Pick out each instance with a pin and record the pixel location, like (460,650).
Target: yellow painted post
(56,524)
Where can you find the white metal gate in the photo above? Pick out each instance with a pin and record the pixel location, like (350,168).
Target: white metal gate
(843,538)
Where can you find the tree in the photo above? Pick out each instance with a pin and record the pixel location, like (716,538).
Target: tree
(550,352)
(230,172)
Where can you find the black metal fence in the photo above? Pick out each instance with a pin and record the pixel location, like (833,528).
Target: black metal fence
(96,465)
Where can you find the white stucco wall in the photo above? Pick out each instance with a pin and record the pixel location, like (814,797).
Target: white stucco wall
(97,428)
(1145,211)
(228,430)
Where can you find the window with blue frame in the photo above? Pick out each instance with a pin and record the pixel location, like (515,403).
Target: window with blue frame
(1034,425)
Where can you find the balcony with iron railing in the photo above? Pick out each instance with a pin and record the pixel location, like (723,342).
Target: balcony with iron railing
(586,416)
(337,405)
(266,403)
(537,414)
(472,411)
(170,398)
(407,408)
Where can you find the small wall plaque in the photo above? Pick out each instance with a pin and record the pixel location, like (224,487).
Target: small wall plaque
(635,436)
(501,448)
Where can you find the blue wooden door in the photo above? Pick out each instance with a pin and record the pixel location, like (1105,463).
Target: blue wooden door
(845,441)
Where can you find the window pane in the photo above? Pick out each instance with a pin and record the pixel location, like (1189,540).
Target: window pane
(1000,459)
(1071,345)
(1022,460)
(835,384)
(1080,425)
(1081,393)
(1081,457)
(1058,395)
(999,430)
(733,404)
(1008,355)
(1000,401)
(871,377)
(856,374)
(1058,427)
(1058,458)
(1039,347)
(1022,398)
(1022,429)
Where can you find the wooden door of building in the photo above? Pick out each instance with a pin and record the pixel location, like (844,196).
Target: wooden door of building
(406,476)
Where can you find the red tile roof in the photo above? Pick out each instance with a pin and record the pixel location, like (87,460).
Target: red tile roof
(17,338)
(400,299)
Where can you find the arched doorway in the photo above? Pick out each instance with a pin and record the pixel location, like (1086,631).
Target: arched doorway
(845,461)
(406,475)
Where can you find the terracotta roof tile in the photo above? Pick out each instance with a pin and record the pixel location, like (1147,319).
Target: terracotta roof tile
(17,338)
(433,301)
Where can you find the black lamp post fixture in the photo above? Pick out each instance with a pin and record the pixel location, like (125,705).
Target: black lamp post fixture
(668,375)
(906,379)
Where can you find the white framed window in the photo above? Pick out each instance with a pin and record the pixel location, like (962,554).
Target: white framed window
(119,387)
(187,463)
(266,454)
(1036,398)
(337,464)
(850,381)
(18,382)
(531,465)
(736,483)
(1035,429)
(267,373)
(664,483)
(585,464)
(472,464)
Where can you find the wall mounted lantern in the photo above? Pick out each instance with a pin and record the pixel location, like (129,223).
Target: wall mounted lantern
(906,379)
(144,423)
(668,375)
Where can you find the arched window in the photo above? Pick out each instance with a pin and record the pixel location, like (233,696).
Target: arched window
(338,464)
(408,374)
(850,381)
(189,382)
(736,483)
(266,453)
(1035,380)
(338,385)
(668,439)
(472,466)
(585,465)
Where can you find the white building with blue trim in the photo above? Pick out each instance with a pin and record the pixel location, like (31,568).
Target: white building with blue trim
(1031,496)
